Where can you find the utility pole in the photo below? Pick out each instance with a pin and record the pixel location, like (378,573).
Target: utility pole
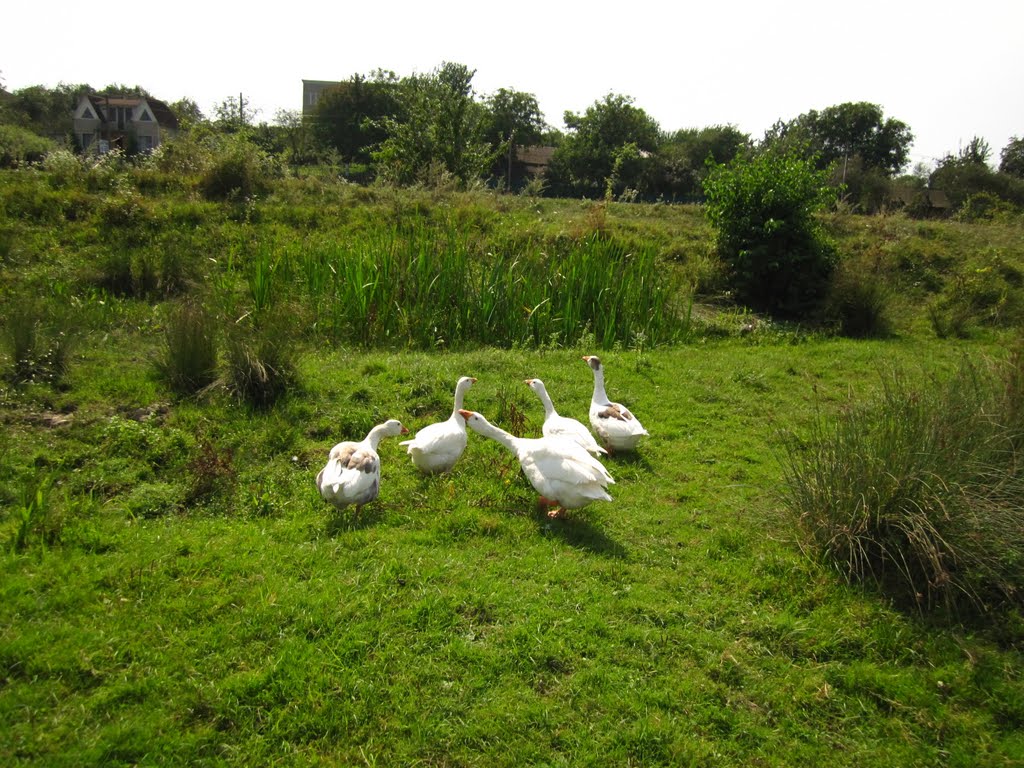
(241,110)
(511,140)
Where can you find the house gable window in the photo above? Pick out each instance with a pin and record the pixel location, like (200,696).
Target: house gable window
(145,116)
(88,115)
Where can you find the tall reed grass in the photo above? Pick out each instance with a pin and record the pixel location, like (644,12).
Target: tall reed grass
(921,492)
(429,287)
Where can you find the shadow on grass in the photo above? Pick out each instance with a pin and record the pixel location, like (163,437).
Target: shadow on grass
(576,531)
(346,520)
(626,458)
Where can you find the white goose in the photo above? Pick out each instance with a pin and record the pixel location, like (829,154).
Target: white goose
(617,428)
(437,447)
(562,472)
(352,474)
(563,426)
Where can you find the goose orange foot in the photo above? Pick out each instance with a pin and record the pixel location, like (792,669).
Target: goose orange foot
(558,511)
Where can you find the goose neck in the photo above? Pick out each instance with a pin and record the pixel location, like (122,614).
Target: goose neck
(499,435)
(545,399)
(599,393)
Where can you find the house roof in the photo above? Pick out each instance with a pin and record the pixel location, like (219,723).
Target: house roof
(534,155)
(161,112)
(935,198)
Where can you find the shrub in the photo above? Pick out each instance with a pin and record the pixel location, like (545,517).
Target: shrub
(189,359)
(987,295)
(983,206)
(64,167)
(920,493)
(182,156)
(241,171)
(19,146)
(763,211)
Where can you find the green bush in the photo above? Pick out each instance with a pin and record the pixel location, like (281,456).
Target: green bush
(182,156)
(763,209)
(240,172)
(920,493)
(984,206)
(19,146)
(64,167)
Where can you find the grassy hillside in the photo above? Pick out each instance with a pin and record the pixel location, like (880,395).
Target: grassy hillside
(174,590)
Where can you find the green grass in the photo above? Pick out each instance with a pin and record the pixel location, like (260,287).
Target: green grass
(174,591)
(454,623)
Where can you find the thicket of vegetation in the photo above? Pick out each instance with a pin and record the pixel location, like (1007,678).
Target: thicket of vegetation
(435,130)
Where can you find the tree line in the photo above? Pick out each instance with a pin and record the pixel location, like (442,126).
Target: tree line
(434,128)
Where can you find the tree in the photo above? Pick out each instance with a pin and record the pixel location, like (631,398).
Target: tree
(350,116)
(683,157)
(584,162)
(763,208)
(297,133)
(188,113)
(1011,159)
(233,115)
(967,174)
(42,110)
(841,132)
(977,152)
(125,90)
(440,132)
(514,118)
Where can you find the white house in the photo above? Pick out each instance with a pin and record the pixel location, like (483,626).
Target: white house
(103,122)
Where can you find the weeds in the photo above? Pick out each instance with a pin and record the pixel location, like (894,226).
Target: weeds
(212,471)
(35,517)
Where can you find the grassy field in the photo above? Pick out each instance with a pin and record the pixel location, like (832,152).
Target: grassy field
(174,591)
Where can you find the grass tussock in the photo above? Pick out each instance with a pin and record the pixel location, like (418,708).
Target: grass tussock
(260,367)
(38,341)
(921,492)
(189,359)
(859,305)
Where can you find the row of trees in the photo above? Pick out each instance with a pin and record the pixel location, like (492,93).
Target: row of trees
(433,127)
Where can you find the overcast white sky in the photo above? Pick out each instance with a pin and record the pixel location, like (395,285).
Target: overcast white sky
(950,70)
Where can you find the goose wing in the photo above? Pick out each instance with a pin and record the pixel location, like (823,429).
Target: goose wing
(442,436)
(572,430)
(562,460)
(352,474)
